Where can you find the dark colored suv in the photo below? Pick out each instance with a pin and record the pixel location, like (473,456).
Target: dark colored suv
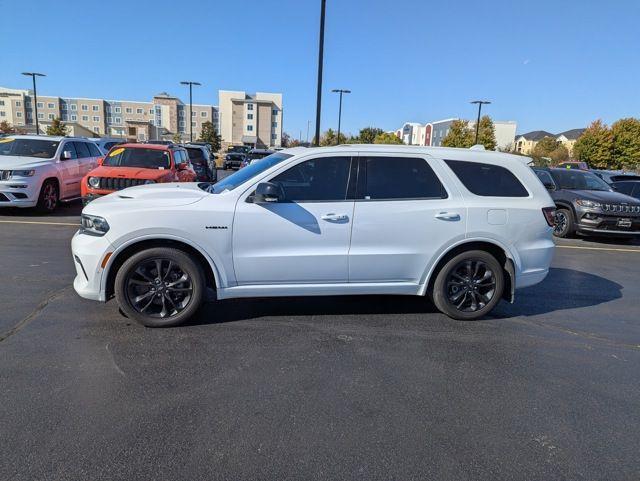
(202,162)
(586,204)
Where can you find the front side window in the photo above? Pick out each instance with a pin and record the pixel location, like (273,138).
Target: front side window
(241,176)
(42,149)
(390,178)
(324,179)
(144,158)
(70,149)
(487,180)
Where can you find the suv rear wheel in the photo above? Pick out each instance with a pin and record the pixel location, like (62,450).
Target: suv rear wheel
(469,285)
(160,287)
(563,225)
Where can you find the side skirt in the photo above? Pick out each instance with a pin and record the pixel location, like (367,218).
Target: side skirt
(343,289)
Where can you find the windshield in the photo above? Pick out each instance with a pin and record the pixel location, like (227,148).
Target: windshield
(257,155)
(41,149)
(240,177)
(196,156)
(579,180)
(145,158)
(243,149)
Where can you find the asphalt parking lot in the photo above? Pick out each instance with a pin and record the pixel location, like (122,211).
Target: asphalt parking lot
(318,388)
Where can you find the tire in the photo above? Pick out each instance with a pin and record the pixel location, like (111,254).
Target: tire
(164,300)
(564,225)
(49,197)
(468,299)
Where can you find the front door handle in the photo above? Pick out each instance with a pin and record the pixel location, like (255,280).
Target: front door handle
(331,217)
(451,216)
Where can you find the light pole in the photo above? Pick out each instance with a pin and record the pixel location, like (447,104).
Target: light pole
(323,7)
(480,104)
(308,125)
(33,76)
(190,84)
(340,91)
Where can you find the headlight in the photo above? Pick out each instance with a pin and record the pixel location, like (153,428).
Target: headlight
(94,182)
(147,182)
(588,203)
(21,173)
(94,225)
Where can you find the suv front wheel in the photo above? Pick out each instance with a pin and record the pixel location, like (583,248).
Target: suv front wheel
(469,285)
(160,287)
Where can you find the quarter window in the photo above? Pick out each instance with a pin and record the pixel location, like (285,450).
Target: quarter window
(398,178)
(487,179)
(324,179)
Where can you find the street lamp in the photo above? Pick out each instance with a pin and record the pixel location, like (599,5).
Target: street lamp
(340,91)
(190,84)
(480,104)
(323,7)
(33,76)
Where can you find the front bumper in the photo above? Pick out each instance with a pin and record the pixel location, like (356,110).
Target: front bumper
(89,253)
(19,193)
(593,222)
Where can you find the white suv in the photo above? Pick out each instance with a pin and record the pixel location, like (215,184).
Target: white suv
(465,227)
(39,171)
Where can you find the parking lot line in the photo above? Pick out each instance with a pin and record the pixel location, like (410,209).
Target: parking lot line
(614,249)
(36,222)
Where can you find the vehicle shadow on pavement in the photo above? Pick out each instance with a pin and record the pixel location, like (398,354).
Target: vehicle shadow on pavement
(66,209)
(562,289)
(244,309)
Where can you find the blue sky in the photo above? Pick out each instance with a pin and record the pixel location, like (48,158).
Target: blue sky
(552,65)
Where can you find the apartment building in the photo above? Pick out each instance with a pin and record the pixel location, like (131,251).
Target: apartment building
(161,118)
(525,143)
(250,119)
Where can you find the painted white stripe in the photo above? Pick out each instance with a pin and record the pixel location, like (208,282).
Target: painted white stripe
(36,222)
(612,249)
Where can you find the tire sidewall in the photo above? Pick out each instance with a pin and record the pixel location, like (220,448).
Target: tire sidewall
(440,289)
(186,263)
(568,230)
(41,207)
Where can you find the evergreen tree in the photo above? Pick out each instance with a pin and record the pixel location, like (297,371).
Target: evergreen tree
(209,135)
(57,127)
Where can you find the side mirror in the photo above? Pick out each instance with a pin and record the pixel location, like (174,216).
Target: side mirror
(550,186)
(66,155)
(100,160)
(268,192)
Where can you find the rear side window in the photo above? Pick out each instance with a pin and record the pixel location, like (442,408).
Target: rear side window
(82,150)
(624,187)
(95,152)
(398,178)
(487,179)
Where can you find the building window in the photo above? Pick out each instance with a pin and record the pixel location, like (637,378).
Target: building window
(85,118)
(2,102)
(84,107)
(249,128)
(64,117)
(18,114)
(3,113)
(249,106)
(108,109)
(96,118)
(109,120)
(193,124)
(74,118)
(275,112)
(18,103)
(64,106)
(151,111)
(117,120)
(74,107)
(27,104)
(95,108)
(40,115)
(182,123)
(128,110)
(29,115)
(139,111)
(203,114)
(51,105)
(96,130)
(249,116)
(193,114)
(274,136)
(181,113)
(118,110)
(274,124)
(40,105)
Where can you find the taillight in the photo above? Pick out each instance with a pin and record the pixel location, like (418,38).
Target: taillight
(549,215)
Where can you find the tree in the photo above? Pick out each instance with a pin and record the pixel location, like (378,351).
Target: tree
(387,138)
(57,127)
(6,128)
(595,146)
(208,134)
(286,140)
(177,138)
(549,148)
(330,137)
(626,143)
(368,135)
(460,135)
(487,133)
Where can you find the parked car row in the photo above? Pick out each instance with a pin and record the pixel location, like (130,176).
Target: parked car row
(42,171)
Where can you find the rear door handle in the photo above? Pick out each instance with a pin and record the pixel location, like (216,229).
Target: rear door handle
(451,216)
(331,217)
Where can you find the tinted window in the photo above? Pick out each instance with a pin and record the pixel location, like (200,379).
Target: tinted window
(196,156)
(323,179)
(42,149)
(578,180)
(544,176)
(487,180)
(95,152)
(82,150)
(108,145)
(69,147)
(145,158)
(398,178)
(624,187)
(240,177)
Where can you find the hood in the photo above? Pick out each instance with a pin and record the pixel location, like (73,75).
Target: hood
(129,172)
(11,162)
(147,196)
(605,197)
